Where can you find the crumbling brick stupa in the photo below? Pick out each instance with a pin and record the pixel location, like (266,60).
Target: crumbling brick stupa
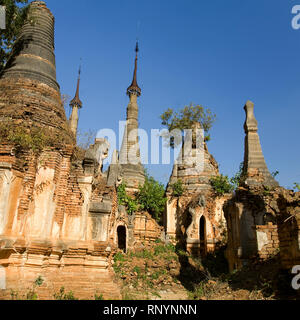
(195,218)
(262,217)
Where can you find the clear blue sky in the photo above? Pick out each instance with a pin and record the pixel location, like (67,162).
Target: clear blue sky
(211,52)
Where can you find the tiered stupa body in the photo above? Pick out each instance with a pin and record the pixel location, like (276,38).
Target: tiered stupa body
(29,91)
(195,166)
(194,218)
(256,172)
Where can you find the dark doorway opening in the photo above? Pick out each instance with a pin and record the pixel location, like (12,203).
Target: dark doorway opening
(202,231)
(121,231)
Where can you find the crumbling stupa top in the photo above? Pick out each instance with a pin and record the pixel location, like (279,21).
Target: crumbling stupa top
(29,92)
(255,172)
(33,53)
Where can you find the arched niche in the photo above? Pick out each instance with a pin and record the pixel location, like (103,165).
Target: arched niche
(203,236)
(122,238)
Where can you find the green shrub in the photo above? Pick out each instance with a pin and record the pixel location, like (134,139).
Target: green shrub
(137,270)
(297,186)
(235,181)
(99,297)
(26,138)
(39,281)
(31,294)
(132,206)
(158,250)
(177,189)
(186,118)
(151,197)
(275,174)
(144,254)
(221,185)
(122,195)
(62,295)
(14,295)
(125,200)
(171,247)
(119,257)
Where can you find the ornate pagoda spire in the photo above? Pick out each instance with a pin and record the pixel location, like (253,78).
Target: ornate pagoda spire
(134,88)
(75,104)
(130,159)
(76,101)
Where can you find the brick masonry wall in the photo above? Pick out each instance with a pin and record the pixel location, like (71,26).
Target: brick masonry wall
(79,269)
(31,102)
(146,228)
(83,267)
(267,240)
(289,237)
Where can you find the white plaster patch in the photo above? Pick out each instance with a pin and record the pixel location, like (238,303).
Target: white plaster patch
(55,230)
(5,183)
(40,223)
(103,227)
(2,278)
(72,228)
(262,240)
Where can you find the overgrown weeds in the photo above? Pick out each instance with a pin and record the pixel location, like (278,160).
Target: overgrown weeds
(29,138)
(62,295)
(144,271)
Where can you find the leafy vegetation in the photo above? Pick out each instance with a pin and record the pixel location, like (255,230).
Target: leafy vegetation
(185,119)
(33,139)
(125,200)
(16,15)
(150,197)
(275,174)
(31,294)
(99,297)
(221,185)
(236,179)
(39,281)
(297,186)
(62,295)
(177,188)
(144,271)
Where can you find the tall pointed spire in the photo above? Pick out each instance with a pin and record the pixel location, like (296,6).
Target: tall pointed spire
(134,88)
(130,158)
(75,104)
(76,101)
